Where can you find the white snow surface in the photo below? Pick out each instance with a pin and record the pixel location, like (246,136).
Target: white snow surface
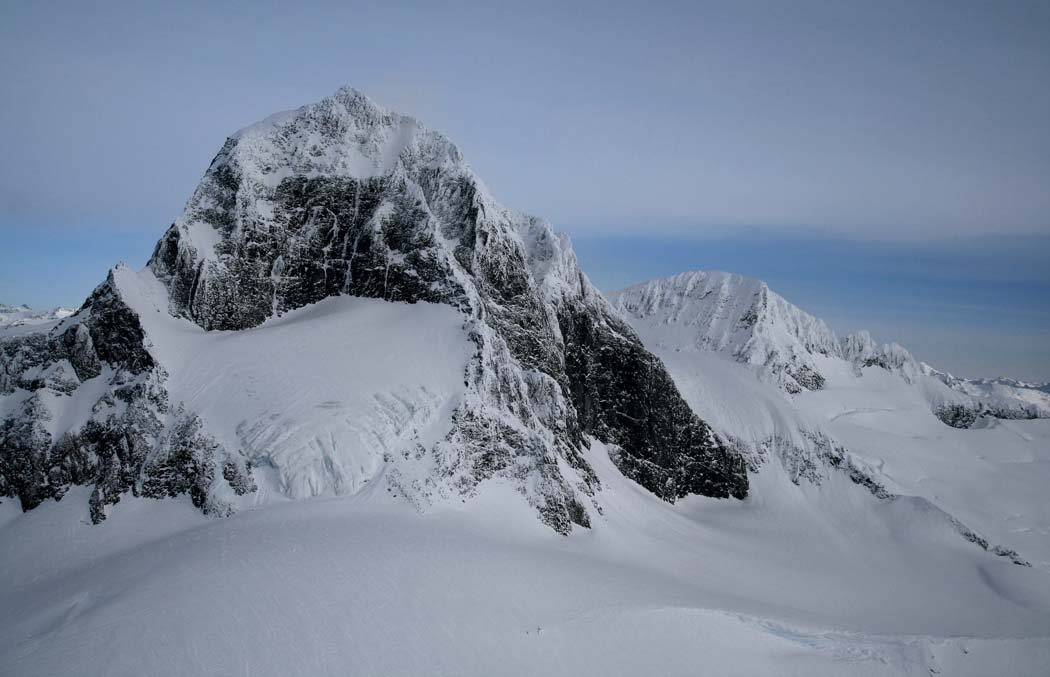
(373,139)
(792,581)
(801,578)
(991,478)
(322,395)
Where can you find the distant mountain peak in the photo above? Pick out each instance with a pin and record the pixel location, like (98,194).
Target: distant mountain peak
(741,317)
(737,315)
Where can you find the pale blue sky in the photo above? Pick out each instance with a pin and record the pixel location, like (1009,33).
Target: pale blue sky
(886,165)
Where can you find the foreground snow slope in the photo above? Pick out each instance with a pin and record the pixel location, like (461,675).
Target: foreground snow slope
(812,574)
(380,330)
(363,585)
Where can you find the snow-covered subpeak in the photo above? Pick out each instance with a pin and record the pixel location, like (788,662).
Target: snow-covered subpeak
(858,346)
(736,315)
(860,349)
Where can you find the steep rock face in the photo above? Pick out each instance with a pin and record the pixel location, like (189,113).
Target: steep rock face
(624,396)
(94,367)
(739,316)
(345,198)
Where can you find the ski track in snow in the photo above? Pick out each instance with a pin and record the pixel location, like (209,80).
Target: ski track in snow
(854,412)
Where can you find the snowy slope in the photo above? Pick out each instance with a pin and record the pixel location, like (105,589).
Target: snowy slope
(794,581)
(992,476)
(874,411)
(323,396)
(812,574)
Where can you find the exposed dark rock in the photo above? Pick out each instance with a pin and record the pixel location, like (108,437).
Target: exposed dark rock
(624,396)
(956,415)
(115,332)
(185,464)
(109,451)
(25,443)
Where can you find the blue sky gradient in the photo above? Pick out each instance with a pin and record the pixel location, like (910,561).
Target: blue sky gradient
(884,165)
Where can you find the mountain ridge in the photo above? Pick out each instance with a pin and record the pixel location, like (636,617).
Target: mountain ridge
(744,318)
(343,197)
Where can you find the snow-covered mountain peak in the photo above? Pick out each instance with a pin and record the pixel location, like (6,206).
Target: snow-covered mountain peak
(736,315)
(742,318)
(346,134)
(345,164)
(861,350)
(342,198)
